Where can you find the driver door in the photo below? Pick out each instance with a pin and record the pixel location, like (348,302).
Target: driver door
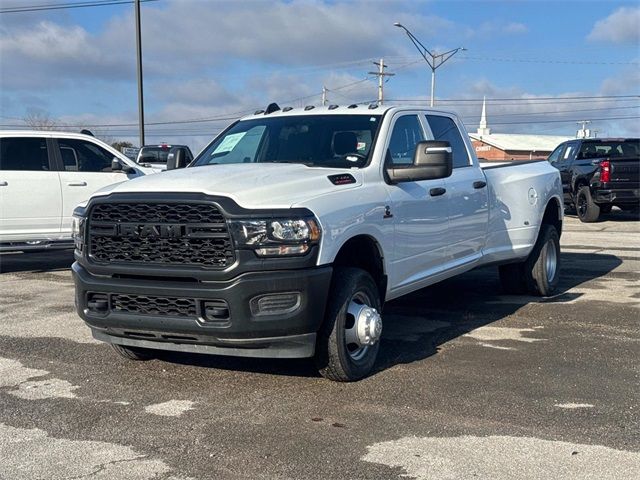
(419,211)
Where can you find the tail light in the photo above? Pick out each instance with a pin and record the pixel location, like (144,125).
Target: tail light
(605,171)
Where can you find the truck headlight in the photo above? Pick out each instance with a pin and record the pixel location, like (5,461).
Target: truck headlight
(77,228)
(276,237)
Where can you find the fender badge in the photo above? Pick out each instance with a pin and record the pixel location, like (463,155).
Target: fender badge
(341,179)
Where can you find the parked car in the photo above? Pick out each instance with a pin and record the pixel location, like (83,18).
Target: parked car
(155,156)
(599,173)
(43,176)
(287,234)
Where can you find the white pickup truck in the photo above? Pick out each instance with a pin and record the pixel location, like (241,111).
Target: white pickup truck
(44,175)
(286,235)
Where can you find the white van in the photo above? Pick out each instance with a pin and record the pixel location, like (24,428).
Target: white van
(44,175)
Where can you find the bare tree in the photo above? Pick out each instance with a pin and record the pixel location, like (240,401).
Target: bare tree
(40,121)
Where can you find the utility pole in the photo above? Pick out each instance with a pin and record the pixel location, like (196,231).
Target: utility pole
(324,95)
(433,60)
(139,55)
(381,74)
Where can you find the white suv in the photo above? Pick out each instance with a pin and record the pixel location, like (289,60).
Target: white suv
(43,176)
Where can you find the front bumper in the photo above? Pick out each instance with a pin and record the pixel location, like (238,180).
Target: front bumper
(244,332)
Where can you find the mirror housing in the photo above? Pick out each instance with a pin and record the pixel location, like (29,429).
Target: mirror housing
(179,157)
(117,166)
(432,160)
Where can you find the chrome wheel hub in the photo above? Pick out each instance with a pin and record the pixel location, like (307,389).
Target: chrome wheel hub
(363,327)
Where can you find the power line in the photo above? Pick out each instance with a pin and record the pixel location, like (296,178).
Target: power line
(573,120)
(524,99)
(533,60)
(65,6)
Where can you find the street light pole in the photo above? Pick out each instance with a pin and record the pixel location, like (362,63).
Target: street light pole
(139,64)
(433,60)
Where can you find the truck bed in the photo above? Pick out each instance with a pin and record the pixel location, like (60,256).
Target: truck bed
(514,207)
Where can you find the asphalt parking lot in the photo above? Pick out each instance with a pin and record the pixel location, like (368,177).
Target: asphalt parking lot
(470,384)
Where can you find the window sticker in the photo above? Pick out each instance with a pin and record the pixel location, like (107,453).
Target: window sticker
(229,142)
(361,146)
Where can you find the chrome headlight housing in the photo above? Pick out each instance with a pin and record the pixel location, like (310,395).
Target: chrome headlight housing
(77,228)
(277,236)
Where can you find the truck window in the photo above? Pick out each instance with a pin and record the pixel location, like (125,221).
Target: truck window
(154,154)
(407,132)
(555,155)
(24,154)
(83,156)
(445,129)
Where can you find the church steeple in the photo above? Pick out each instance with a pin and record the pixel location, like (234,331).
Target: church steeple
(482,128)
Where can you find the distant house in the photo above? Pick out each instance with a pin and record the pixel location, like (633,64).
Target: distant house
(511,146)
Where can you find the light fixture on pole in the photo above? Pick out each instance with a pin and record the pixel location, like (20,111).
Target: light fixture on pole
(433,60)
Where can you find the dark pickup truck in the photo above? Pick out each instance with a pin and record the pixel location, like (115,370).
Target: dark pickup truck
(598,173)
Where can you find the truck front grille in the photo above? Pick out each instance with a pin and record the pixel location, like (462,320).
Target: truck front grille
(147,305)
(159,233)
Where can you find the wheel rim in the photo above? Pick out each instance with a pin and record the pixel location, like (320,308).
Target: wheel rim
(361,318)
(551,262)
(582,205)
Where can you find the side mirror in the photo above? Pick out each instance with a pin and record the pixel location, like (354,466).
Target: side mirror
(116,166)
(432,160)
(179,157)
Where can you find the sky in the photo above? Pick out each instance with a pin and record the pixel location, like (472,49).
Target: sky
(541,65)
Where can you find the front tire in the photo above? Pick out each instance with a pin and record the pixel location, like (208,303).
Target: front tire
(540,272)
(588,210)
(348,341)
(133,353)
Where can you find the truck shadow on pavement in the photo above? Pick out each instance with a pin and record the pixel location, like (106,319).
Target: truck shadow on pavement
(42,261)
(418,324)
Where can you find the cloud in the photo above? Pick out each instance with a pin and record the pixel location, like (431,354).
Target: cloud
(621,27)
(47,54)
(516,28)
(494,28)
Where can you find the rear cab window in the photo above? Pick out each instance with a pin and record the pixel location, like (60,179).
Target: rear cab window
(24,154)
(445,129)
(157,154)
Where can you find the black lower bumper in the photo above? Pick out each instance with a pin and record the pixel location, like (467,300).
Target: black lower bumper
(618,196)
(260,314)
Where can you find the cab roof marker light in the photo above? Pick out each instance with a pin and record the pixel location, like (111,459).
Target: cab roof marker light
(373,106)
(353,105)
(333,107)
(309,107)
(258,112)
(272,107)
(287,109)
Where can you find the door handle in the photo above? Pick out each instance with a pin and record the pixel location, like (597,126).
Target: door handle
(77,184)
(4,184)
(436,192)
(479,184)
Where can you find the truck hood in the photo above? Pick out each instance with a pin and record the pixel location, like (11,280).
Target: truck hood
(255,185)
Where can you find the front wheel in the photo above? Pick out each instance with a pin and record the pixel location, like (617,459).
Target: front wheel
(348,341)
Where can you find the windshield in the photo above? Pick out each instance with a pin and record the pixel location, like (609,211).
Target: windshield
(342,141)
(153,154)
